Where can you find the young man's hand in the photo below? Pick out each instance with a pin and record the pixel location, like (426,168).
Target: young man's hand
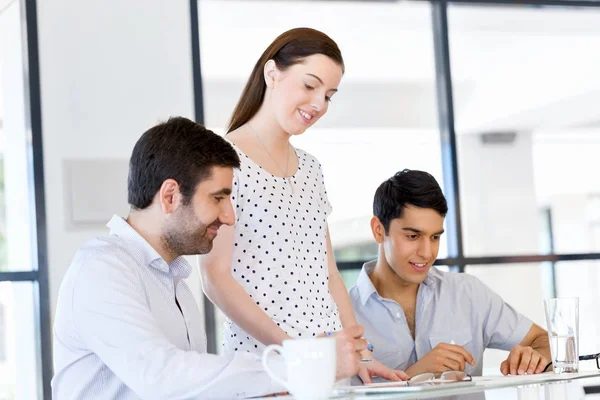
(443,357)
(523,360)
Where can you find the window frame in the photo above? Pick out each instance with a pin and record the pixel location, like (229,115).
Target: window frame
(37,274)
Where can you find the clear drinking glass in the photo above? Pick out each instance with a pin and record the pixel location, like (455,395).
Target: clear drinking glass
(562,318)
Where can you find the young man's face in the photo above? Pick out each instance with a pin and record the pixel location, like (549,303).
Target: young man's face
(412,243)
(193,227)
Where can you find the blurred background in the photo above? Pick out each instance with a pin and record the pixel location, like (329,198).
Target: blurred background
(497,99)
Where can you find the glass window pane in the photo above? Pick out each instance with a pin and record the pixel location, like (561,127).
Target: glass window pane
(528,129)
(19,366)
(525,286)
(582,279)
(384,117)
(16,221)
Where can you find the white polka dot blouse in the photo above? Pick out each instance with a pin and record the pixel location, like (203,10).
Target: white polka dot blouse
(280,251)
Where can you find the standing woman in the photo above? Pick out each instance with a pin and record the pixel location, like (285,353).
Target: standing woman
(273,274)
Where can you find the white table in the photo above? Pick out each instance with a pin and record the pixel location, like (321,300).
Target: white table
(547,386)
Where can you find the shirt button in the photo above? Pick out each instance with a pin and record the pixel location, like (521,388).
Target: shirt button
(397,315)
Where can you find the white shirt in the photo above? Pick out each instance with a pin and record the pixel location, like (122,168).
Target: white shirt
(280,250)
(119,334)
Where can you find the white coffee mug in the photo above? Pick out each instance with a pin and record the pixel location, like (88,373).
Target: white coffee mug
(310,367)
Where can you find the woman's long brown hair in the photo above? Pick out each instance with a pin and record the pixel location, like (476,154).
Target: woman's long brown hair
(287,49)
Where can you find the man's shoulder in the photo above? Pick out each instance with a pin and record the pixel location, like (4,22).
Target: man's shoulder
(363,311)
(363,287)
(95,263)
(460,283)
(365,301)
(105,246)
(106,251)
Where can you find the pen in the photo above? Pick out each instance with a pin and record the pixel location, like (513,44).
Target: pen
(370,348)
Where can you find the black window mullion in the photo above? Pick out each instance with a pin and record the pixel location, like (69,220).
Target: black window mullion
(459,263)
(537,3)
(33,109)
(447,133)
(19,276)
(210,323)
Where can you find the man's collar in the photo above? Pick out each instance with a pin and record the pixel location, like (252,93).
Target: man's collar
(366,288)
(179,267)
(364,284)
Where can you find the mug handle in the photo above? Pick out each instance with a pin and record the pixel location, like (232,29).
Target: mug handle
(265,355)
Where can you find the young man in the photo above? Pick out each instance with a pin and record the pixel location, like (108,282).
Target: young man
(420,319)
(127,325)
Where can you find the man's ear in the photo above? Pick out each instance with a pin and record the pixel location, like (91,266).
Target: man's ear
(377,229)
(271,73)
(169,196)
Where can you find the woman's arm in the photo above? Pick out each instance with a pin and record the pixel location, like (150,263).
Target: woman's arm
(225,292)
(342,299)
(338,289)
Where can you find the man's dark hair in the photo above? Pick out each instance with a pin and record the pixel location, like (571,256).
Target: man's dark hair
(178,149)
(407,187)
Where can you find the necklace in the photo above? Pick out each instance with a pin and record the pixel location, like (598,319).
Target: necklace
(287,158)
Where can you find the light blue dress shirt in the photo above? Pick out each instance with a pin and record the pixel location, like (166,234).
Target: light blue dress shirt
(119,333)
(450,307)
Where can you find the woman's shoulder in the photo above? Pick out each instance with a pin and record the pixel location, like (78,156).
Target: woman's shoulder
(239,144)
(235,139)
(308,162)
(306,156)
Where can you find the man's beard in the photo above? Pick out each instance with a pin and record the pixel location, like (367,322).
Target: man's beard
(186,235)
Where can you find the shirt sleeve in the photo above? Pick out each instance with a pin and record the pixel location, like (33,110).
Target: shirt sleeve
(112,318)
(503,326)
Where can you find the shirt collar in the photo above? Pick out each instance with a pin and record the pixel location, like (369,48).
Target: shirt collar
(366,288)
(179,268)
(432,277)
(364,284)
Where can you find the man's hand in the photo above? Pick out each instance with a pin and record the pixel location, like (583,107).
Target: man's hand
(373,368)
(443,357)
(523,360)
(349,345)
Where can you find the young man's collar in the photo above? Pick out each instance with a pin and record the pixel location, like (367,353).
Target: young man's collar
(364,284)
(366,288)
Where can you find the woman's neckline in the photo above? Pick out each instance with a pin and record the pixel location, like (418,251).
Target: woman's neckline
(263,169)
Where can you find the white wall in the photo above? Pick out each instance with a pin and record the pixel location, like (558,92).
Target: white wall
(109,70)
